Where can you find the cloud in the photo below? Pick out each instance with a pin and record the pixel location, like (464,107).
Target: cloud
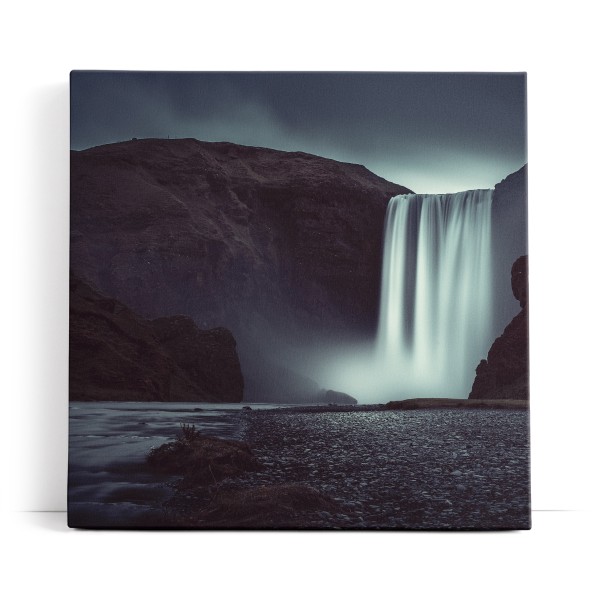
(429,132)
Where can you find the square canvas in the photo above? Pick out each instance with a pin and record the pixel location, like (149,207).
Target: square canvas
(298,301)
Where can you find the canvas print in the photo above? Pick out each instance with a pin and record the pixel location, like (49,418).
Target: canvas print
(298,301)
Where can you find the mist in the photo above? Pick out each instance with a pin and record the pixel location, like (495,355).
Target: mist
(445,295)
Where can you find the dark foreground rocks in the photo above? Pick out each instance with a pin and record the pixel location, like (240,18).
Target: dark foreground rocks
(416,469)
(274,506)
(201,459)
(355,469)
(505,372)
(117,355)
(208,496)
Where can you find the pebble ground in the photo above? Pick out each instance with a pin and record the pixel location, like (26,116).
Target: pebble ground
(420,469)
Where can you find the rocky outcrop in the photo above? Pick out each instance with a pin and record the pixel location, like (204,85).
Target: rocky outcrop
(208,495)
(333,397)
(519,280)
(202,460)
(230,235)
(281,248)
(505,373)
(117,355)
(207,357)
(509,241)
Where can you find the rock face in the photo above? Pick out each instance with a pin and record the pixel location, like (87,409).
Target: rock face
(282,248)
(505,373)
(519,279)
(509,241)
(207,357)
(117,355)
(230,234)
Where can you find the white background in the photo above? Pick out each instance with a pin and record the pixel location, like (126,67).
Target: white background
(554,42)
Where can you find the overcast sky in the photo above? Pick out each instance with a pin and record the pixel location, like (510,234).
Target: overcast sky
(432,132)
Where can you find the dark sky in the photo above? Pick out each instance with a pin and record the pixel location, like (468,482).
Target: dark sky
(432,132)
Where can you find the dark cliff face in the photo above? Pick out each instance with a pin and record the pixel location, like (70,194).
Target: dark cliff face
(505,373)
(230,235)
(117,355)
(509,241)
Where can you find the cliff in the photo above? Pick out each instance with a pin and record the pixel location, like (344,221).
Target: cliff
(230,235)
(509,241)
(505,373)
(117,355)
(282,248)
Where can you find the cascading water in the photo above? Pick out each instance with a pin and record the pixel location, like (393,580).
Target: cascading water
(435,317)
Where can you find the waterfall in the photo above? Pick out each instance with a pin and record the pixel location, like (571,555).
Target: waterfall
(435,319)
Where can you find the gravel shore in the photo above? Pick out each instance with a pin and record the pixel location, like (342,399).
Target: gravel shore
(381,469)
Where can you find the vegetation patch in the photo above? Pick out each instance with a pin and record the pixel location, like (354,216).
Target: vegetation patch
(202,460)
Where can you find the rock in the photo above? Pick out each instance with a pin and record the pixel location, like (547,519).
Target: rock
(206,357)
(333,397)
(203,229)
(117,355)
(202,460)
(505,372)
(437,403)
(509,241)
(519,278)
(275,246)
(281,505)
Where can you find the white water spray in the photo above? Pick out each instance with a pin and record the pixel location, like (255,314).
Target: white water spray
(435,317)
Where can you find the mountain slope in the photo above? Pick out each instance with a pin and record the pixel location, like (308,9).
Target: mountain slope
(230,234)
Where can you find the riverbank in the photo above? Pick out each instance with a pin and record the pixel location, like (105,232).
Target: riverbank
(368,468)
(319,467)
(412,404)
